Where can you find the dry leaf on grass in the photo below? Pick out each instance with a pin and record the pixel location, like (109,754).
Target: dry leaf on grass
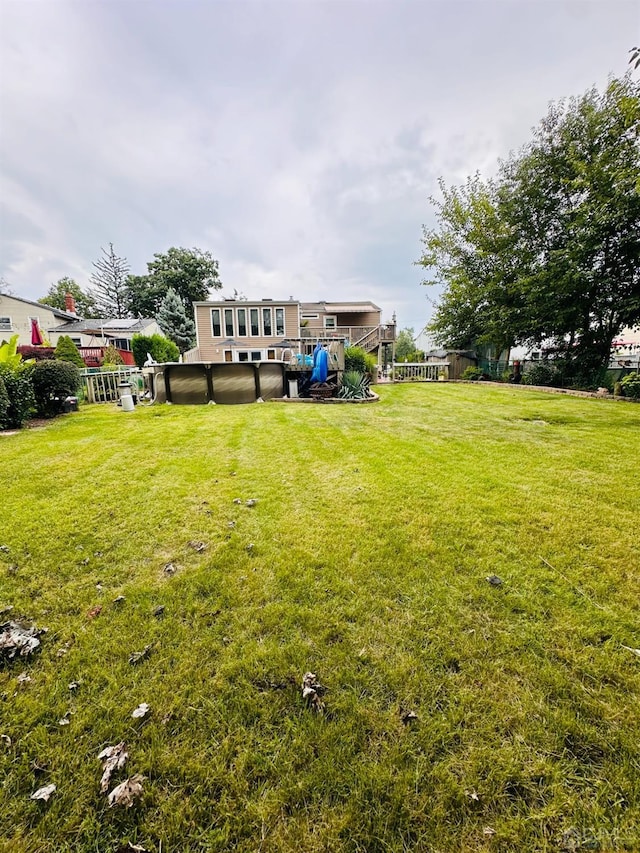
(136,657)
(6,740)
(252,502)
(43,793)
(141,711)
(127,792)
(197,546)
(119,599)
(95,611)
(311,690)
(113,758)
(23,678)
(169,569)
(494,580)
(407,716)
(159,610)
(17,639)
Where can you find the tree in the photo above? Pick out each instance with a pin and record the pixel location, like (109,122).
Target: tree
(549,251)
(66,350)
(174,322)
(191,273)
(404,344)
(110,284)
(161,349)
(85,304)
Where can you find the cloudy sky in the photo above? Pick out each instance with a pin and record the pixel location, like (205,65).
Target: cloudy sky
(298,141)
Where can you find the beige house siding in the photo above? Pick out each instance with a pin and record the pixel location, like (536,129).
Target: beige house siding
(19,314)
(211,347)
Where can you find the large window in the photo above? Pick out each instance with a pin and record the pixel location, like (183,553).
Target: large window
(215,322)
(256,355)
(329,322)
(5,324)
(242,322)
(228,322)
(279,321)
(266,322)
(255,322)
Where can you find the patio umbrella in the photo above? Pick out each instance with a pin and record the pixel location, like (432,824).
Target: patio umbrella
(36,335)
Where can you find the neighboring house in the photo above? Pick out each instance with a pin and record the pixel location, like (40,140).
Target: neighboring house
(18,316)
(239,330)
(103,333)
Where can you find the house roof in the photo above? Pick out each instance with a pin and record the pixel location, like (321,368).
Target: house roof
(340,307)
(125,324)
(62,314)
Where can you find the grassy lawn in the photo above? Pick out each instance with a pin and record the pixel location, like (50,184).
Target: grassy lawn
(373,534)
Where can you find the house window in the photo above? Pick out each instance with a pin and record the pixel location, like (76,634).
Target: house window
(242,322)
(330,321)
(78,342)
(256,355)
(119,343)
(243,356)
(215,322)
(271,353)
(5,324)
(266,322)
(228,322)
(255,323)
(279,321)
(310,316)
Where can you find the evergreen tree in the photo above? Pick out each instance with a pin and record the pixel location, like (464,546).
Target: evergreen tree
(66,350)
(173,321)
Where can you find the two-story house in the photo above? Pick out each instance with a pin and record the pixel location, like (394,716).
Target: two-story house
(245,330)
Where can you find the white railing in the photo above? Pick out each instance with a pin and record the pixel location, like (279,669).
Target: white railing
(420,372)
(191,356)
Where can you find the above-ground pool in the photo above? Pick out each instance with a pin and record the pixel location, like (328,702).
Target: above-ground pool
(226,383)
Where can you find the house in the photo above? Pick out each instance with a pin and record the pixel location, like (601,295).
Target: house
(245,330)
(23,317)
(96,333)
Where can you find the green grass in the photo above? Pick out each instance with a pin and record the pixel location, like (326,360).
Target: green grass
(373,534)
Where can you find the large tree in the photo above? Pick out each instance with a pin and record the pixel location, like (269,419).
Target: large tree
(110,284)
(191,273)
(85,304)
(549,250)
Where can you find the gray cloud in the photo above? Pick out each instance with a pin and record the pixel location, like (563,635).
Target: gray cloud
(299,142)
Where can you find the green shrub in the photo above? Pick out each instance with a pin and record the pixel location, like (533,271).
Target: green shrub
(53,381)
(4,401)
(355,359)
(543,373)
(472,374)
(111,357)
(157,346)
(355,386)
(630,385)
(19,388)
(66,350)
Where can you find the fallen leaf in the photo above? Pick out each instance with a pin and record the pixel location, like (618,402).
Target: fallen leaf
(99,586)
(119,599)
(4,549)
(488,830)
(159,610)
(136,657)
(407,716)
(43,793)
(65,721)
(252,502)
(113,758)
(23,678)
(125,793)
(64,649)
(95,611)
(18,639)
(237,500)
(141,710)
(97,553)
(169,569)
(473,795)
(6,740)
(311,690)
(84,562)
(494,580)
(73,685)
(231,524)
(13,568)
(197,545)
(250,547)
(231,474)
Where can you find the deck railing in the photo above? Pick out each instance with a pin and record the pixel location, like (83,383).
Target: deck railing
(103,386)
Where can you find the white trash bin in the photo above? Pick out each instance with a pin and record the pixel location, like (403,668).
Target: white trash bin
(293,388)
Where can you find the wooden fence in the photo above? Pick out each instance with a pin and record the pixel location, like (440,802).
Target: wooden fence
(420,372)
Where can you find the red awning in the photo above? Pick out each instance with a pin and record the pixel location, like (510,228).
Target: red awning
(36,335)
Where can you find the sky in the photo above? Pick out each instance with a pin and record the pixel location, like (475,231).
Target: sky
(298,141)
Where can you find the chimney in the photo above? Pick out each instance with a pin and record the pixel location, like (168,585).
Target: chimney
(69,304)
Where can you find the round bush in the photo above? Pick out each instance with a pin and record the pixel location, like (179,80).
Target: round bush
(19,388)
(53,381)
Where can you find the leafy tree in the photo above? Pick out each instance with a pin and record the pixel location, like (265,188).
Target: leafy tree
(66,350)
(174,322)
(404,344)
(110,284)
(111,356)
(548,251)
(191,273)
(85,304)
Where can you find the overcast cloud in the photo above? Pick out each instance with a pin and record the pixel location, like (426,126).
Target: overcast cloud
(299,142)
